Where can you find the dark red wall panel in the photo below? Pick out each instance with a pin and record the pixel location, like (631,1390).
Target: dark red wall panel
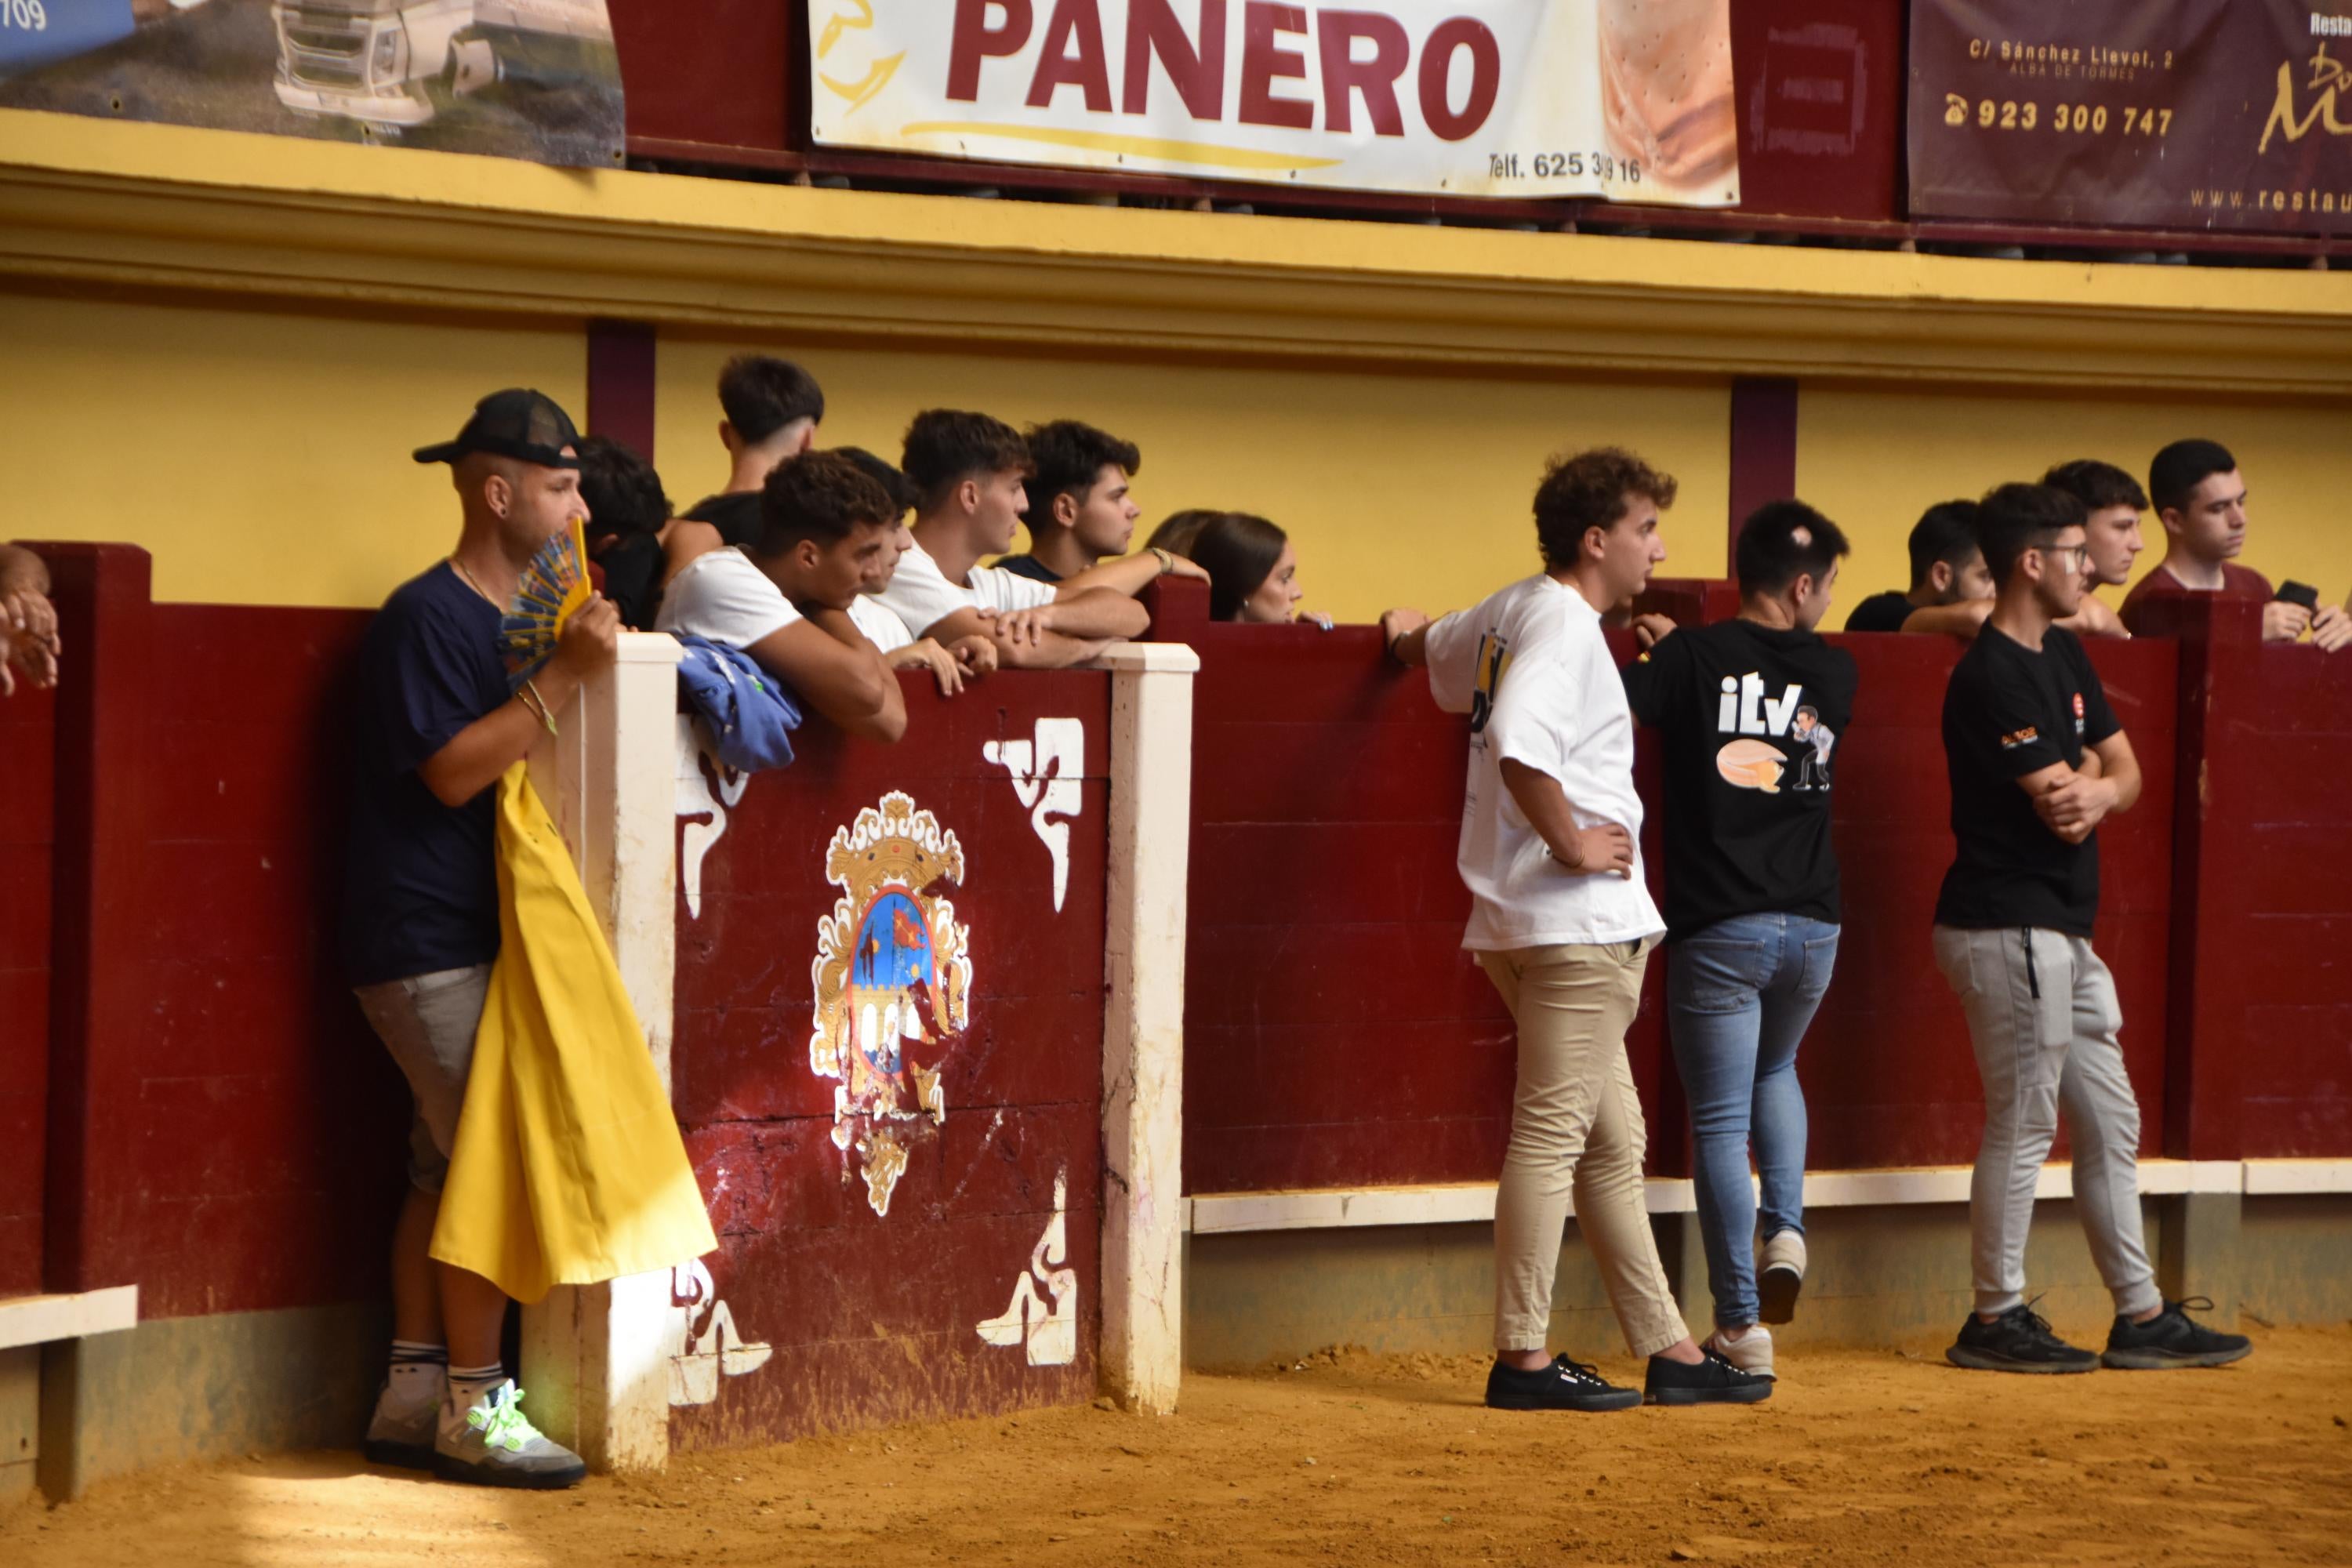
(2263,917)
(722,73)
(1820,107)
(224,1130)
(875,1317)
(26,741)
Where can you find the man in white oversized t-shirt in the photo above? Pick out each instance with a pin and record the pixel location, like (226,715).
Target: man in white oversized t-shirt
(1563,925)
(792,599)
(968,471)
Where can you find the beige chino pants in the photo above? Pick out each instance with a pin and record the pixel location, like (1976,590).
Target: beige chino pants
(1576,1129)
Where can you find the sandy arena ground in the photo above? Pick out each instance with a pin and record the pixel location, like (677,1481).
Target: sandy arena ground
(1860,1457)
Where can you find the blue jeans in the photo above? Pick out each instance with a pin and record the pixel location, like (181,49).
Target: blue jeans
(1738,996)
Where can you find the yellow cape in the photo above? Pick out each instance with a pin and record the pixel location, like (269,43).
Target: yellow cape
(569,1168)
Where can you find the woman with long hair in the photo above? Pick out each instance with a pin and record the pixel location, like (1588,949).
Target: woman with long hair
(1253,570)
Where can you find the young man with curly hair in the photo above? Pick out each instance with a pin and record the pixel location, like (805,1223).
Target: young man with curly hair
(1562,923)
(1080,508)
(787,600)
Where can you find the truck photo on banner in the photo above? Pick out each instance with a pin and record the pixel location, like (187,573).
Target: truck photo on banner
(1630,99)
(517,79)
(2200,114)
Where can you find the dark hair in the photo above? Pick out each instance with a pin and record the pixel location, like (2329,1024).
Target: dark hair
(820,496)
(623,493)
(2181,467)
(1769,556)
(2014,519)
(1238,550)
(1176,532)
(1588,489)
(2097,484)
(946,447)
(1945,532)
(1064,458)
(761,396)
(883,472)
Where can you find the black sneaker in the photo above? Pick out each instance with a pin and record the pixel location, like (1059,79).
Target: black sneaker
(1565,1385)
(2170,1340)
(1711,1381)
(2017,1341)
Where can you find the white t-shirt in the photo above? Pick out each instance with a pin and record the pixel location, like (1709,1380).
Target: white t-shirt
(885,631)
(721,595)
(1530,668)
(921,596)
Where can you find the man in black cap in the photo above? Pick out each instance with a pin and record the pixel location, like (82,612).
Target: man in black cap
(438,725)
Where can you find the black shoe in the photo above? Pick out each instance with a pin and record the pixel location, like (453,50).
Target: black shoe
(1712,1381)
(1564,1384)
(2017,1341)
(2170,1340)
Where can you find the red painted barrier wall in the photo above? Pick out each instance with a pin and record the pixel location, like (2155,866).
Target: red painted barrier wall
(223,1130)
(26,741)
(2263,978)
(875,1317)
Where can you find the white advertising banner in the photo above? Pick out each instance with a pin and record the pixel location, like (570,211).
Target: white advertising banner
(1627,100)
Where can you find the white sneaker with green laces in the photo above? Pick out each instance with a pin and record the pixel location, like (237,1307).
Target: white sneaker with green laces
(493,1443)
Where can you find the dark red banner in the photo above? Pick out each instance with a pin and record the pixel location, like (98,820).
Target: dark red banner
(2197,114)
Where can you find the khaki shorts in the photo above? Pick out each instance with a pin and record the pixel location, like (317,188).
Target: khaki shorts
(428,1022)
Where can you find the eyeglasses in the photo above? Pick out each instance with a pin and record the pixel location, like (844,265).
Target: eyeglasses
(2081,552)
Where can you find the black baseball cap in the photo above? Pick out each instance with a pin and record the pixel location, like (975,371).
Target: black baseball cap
(519,423)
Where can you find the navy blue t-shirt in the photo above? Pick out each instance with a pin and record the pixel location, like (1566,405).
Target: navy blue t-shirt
(422,894)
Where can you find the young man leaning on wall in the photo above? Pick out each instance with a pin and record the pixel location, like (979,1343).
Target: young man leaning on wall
(2200,498)
(791,600)
(969,474)
(438,726)
(1080,507)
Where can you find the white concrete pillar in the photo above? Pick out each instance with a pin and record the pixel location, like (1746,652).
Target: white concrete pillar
(1143,1025)
(595,1359)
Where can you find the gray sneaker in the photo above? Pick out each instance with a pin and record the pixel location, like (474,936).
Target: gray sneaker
(402,1437)
(494,1445)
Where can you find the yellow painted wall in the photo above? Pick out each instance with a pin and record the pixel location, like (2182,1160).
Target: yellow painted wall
(1874,460)
(260,458)
(1397,488)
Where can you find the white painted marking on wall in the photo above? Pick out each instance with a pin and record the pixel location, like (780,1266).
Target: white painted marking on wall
(1060,750)
(1049,1333)
(695,799)
(717,1350)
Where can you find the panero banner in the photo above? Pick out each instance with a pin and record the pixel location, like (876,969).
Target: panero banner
(2213,114)
(1630,99)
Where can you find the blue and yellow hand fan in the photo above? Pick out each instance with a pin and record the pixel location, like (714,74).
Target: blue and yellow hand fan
(554,584)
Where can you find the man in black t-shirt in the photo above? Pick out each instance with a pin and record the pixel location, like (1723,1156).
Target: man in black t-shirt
(1080,509)
(440,723)
(1750,710)
(772,409)
(2037,761)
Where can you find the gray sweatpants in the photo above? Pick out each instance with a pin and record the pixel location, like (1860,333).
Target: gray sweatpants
(2043,1018)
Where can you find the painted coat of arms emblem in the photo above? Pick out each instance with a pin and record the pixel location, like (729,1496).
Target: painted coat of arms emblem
(893,981)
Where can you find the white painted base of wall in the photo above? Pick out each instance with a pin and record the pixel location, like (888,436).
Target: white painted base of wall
(1462,1202)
